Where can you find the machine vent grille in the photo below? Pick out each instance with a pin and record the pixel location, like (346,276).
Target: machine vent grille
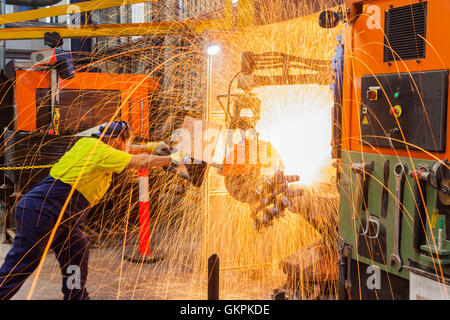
(406,32)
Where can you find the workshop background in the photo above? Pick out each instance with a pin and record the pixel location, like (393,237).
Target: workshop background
(318,130)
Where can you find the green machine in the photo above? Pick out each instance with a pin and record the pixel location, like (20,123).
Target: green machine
(387,230)
(390,143)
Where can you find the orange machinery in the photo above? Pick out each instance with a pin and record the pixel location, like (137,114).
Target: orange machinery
(86,100)
(365,47)
(390,138)
(41,117)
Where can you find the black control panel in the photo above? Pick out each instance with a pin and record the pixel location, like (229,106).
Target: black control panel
(413,105)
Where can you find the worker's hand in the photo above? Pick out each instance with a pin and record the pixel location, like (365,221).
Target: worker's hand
(160,148)
(163,149)
(178,157)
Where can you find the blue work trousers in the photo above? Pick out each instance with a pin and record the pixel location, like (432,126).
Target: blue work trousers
(37,213)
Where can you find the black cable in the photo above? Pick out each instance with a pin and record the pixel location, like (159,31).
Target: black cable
(229,91)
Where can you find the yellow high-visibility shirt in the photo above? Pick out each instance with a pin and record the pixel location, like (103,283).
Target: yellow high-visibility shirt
(95,161)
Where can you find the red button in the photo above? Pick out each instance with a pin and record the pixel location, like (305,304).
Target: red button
(396,111)
(372,94)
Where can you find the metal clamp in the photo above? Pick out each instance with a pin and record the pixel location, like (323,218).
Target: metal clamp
(366,230)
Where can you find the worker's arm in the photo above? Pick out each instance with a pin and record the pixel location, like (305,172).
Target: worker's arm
(142,161)
(151,147)
(138,149)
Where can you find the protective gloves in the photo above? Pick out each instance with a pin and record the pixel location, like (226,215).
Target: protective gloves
(159,147)
(179,157)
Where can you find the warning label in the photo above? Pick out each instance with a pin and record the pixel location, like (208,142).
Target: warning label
(365,121)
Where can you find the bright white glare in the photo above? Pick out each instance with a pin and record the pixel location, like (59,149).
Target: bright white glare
(296,120)
(213,49)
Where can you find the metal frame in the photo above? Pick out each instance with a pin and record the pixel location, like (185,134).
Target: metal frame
(112,30)
(64,9)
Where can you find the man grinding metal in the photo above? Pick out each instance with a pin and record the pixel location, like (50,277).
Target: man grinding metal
(87,169)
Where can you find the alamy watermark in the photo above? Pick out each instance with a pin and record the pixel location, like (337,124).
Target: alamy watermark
(374,19)
(374,280)
(74,277)
(74,19)
(202,142)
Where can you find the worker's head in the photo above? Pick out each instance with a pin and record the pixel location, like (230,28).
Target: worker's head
(116,134)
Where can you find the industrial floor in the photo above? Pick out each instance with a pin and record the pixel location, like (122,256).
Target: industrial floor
(109,278)
(113,277)
(100,283)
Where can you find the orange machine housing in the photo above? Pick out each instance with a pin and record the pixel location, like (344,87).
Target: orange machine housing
(364,45)
(131,92)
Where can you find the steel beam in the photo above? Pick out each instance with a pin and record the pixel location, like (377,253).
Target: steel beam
(228,10)
(113,30)
(65,9)
(246,14)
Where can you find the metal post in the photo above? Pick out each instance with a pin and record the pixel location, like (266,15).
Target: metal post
(144,255)
(144,213)
(213,277)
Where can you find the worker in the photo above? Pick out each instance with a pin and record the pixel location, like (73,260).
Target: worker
(76,182)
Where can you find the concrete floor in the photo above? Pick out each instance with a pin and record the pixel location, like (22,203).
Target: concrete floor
(48,288)
(111,277)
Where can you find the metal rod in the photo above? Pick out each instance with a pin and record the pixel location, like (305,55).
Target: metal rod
(113,30)
(213,277)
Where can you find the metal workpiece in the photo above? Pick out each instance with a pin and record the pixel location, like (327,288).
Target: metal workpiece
(400,171)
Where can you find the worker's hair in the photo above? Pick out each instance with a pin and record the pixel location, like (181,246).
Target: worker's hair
(119,129)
